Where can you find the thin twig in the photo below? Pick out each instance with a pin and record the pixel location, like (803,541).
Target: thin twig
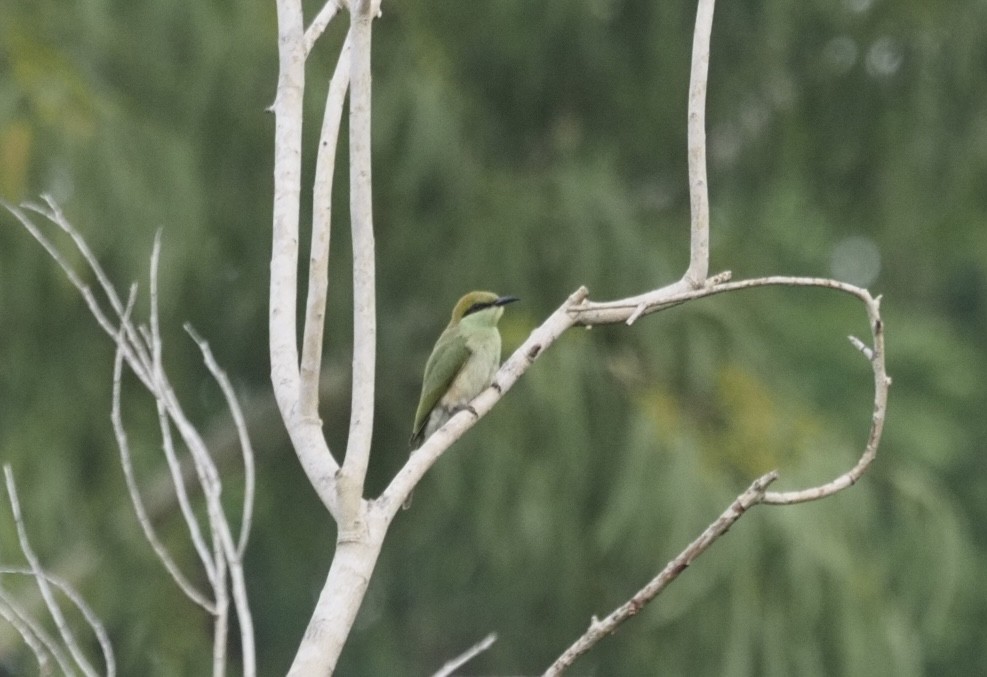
(177,475)
(598,629)
(617,311)
(636,314)
(134,351)
(42,645)
(64,631)
(240,423)
(882,383)
(468,655)
(123,444)
(54,213)
(141,349)
(233,560)
(87,613)
(221,620)
(159,385)
(225,547)
(224,566)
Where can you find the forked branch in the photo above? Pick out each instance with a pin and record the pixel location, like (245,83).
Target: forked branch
(363,523)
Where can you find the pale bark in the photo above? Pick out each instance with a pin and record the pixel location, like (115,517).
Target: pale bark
(362,523)
(698,185)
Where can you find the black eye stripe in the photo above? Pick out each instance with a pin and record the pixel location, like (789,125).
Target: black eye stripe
(476,307)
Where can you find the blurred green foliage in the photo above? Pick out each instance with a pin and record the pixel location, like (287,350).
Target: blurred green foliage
(530,148)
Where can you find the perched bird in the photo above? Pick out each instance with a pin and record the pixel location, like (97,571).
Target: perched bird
(462,364)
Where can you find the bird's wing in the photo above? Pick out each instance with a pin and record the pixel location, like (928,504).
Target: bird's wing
(445,362)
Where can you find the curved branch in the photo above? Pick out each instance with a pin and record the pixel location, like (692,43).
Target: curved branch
(618,311)
(135,349)
(240,425)
(140,511)
(882,383)
(102,637)
(599,629)
(305,431)
(577,311)
(629,309)
(39,641)
(42,579)
(318,262)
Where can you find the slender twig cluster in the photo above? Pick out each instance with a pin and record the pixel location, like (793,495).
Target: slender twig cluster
(64,649)
(220,551)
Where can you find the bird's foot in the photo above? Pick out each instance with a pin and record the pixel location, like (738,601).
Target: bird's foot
(465,407)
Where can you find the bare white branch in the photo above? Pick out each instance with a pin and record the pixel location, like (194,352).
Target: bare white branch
(240,423)
(42,580)
(466,656)
(599,629)
(87,613)
(636,314)
(364,271)
(360,533)
(233,560)
(225,549)
(135,352)
(305,431)
(41,644)
(321,22)
(344,589)
(224,566)
(141,349)
(862,347)
(159,385)
(221,620)
(882,383)
(318,273)
(123,444)
(695,276)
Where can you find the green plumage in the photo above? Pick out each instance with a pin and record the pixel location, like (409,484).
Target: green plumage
(446,361)
(462,364)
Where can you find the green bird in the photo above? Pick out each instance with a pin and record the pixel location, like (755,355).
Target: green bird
(462,364)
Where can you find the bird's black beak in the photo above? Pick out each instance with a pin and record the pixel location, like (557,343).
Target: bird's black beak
(504,300)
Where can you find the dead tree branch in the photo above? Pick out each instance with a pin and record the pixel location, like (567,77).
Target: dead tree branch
(41,642)
(599,629)
(140,349)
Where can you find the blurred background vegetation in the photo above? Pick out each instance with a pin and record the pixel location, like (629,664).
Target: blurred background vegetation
(530,147)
